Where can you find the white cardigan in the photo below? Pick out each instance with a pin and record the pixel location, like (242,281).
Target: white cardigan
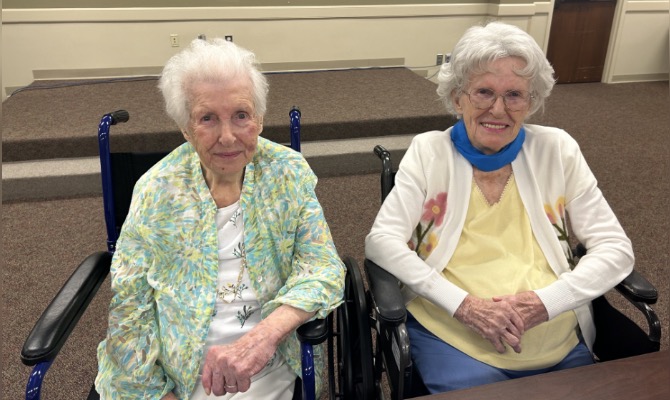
(550,167)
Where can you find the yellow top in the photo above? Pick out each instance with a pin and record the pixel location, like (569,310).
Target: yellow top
(497,254)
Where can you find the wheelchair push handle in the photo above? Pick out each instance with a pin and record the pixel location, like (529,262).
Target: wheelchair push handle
(119,116)
(381,152)
(387,175)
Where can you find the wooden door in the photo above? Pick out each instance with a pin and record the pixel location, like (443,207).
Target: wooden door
(578,39)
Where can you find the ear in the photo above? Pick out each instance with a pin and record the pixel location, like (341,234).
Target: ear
(456,99)
(260,125)
(186,135)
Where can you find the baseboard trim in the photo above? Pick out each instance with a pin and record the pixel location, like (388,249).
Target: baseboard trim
(92,73)
(640,78)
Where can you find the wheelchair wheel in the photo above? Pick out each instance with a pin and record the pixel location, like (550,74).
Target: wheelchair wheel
(354,340)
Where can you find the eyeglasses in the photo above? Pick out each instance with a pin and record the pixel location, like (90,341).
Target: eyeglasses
(514,100)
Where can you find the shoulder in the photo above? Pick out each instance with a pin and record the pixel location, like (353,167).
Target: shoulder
(431,138)
(545,139)
(174,174)
(429,149)
(547,134)
(278,160)
(432,144)
(178,162)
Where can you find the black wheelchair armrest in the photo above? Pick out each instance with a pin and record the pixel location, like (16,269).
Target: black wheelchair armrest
(636,287)
(61,316)
(385,292)
(313,332)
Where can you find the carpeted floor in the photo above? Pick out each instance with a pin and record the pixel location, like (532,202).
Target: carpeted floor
(624,131)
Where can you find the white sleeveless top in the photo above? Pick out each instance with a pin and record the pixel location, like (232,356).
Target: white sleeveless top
(237,308)
(238,311)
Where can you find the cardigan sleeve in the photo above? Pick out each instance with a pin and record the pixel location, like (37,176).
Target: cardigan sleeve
(316,279)
(610,255)
(127,357)
(386,244)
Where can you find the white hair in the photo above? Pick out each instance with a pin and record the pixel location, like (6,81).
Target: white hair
(480,46)
(215,60)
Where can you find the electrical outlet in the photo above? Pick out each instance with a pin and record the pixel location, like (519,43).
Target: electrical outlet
(229,38)
(438,60)
(447,57)
(174,40)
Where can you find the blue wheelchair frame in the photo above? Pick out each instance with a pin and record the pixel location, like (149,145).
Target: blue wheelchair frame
(61,316)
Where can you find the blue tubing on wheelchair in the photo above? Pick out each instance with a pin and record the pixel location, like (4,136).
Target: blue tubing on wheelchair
(106,172)
(34,386)
(308,372)
(294,116)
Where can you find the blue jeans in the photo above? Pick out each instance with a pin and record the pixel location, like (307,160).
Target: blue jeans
(443,368)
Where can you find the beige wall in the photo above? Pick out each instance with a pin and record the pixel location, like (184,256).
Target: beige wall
(638,49)
(218,3)
(61,43)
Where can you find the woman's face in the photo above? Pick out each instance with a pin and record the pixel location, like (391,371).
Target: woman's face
(490,129)
(223,127)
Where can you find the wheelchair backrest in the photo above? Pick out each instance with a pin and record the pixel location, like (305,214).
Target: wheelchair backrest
(121,170)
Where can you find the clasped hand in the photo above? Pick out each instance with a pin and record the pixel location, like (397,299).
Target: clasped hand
(504,319)
(229,368)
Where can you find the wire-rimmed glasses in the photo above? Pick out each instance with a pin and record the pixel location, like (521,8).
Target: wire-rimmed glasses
(514,100)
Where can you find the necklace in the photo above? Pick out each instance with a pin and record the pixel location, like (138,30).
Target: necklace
(230,292)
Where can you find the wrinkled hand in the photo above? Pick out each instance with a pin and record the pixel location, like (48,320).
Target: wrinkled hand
(229,368)
(528,305)
(170,396)
(498,322)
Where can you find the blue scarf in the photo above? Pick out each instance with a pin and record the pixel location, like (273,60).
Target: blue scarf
(480,160)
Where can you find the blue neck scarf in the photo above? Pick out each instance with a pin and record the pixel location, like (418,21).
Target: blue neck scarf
(480,160)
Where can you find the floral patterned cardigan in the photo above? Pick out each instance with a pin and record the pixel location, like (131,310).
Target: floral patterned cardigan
(419,225)
(164,271)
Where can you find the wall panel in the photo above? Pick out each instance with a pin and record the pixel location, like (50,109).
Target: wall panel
(65,43)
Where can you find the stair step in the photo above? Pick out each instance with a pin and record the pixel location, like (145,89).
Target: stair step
(69,177)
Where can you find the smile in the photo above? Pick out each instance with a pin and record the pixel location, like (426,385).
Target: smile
(228,154)
(493,126)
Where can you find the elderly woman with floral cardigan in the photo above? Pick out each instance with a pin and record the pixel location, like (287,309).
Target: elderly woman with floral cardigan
(225,250)
(475,227)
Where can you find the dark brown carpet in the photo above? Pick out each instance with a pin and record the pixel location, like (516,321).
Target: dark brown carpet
(623,130)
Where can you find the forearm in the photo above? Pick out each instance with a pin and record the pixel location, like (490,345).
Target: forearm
(608,261)
(315,270)
(280,323)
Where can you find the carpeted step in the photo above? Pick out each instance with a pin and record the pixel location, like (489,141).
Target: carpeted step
(68,177)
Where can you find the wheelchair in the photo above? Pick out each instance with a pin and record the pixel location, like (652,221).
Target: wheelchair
(617,336)
(346,330)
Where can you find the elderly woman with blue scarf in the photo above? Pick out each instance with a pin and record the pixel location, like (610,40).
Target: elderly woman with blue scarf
(476,230)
